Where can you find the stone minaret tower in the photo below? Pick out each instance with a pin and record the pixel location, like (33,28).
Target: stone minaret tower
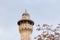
(25,26)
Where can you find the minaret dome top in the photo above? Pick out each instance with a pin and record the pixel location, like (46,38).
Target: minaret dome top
(25,13)
(25,18)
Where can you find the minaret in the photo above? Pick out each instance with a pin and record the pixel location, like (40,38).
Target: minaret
(25,26)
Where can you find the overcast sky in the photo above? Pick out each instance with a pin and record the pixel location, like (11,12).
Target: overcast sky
(41,11)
